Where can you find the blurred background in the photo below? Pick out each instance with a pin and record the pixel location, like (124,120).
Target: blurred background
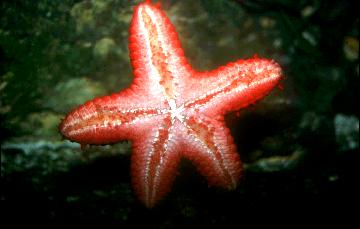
(299,145)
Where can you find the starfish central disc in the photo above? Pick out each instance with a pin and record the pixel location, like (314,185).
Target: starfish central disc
(176,112)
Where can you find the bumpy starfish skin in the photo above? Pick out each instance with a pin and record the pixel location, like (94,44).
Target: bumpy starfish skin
(171,110)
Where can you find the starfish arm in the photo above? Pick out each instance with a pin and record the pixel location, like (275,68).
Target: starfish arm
(155,51)
(154,163)
(210,147)
(233,86)
(109,119)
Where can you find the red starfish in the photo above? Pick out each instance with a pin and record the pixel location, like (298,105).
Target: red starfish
(171,110)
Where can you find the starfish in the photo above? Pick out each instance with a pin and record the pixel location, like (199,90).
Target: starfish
(172,111)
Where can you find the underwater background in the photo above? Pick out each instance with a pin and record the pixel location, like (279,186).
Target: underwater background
(299,145)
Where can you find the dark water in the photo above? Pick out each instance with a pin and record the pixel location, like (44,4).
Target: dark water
(299,145)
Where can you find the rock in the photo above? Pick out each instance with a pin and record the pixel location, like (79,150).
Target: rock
(347,131)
